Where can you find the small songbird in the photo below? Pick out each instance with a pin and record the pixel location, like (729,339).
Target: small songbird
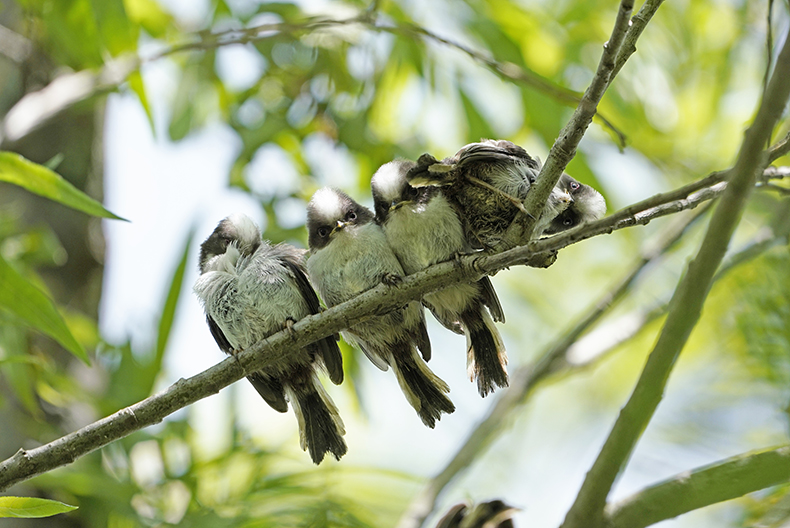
(587,205)
(488,182)
(423,228)
(491,514)
(349,254)
(250,290)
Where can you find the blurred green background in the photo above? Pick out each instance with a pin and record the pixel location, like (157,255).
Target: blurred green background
(219,118)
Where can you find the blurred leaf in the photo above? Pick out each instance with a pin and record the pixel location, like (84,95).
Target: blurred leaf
(42,181)
(135,81)
(31,507)
(478,126)
(31,305)
(117,33)
(171,302)
(150,15)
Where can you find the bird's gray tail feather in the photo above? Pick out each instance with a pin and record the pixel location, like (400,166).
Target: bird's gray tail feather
(321,429)
(424,390)
(486,355)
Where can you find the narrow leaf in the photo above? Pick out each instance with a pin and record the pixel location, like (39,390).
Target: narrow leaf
(31,305)
(169,310)
(31,507)
(135,80)
(42,181)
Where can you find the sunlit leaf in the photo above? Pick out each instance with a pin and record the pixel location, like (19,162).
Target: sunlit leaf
(42,181)
(31,507)
(31,305)
(135,81)
(171,302)
(118,34)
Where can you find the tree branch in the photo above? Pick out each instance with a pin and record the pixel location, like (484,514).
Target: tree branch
(564,148)
(691,490)
(685,307)
(379,300)
(37,108)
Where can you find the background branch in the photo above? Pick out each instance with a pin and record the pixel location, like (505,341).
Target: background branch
(702,487)
(685,307)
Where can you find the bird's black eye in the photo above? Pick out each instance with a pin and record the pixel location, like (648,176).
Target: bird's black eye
(567,222)
(575,186)
(323,231)
(351,215)
(411,192)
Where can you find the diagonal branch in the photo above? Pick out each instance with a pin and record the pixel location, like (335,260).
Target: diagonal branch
(27,464)
(564,148)
(691,490)
(685,307)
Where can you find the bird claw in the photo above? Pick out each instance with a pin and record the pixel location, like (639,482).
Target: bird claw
(391,279)
(288,326)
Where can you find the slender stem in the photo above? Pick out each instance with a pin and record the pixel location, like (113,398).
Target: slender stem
(685,308)
(564,147)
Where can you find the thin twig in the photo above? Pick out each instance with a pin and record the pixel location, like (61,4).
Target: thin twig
(564,147)
(686,307)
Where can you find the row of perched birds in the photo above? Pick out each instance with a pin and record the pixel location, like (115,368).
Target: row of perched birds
(426,212)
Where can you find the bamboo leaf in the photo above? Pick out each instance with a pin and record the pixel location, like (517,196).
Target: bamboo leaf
(42,181)
(31,305)
(31,507)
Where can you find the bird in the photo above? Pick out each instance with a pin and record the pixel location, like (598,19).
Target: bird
(349,254)
(490,514)
(488,182)
(251,289)
(423,228)
(587,205)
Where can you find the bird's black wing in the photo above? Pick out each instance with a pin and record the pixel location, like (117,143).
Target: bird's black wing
(491,300)
(491,151)
(219,337)
(327,347)
(270,389)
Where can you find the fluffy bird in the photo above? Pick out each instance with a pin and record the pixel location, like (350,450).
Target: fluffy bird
(488,182)
(250,290)
(422,228)
(349,255)
(586,205)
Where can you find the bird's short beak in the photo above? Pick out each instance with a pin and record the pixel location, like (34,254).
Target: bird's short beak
(566,197)
(394,206)
(340,225)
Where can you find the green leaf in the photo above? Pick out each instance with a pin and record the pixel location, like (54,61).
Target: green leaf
(42,181)
(169,311)
(31,507)
(136,84)
(117,33)
(31,305)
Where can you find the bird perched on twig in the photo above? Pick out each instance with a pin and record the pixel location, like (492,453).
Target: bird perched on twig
(349,255)
(423,228)
(587,205)
(491,514)
(250,290)
(488,182)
